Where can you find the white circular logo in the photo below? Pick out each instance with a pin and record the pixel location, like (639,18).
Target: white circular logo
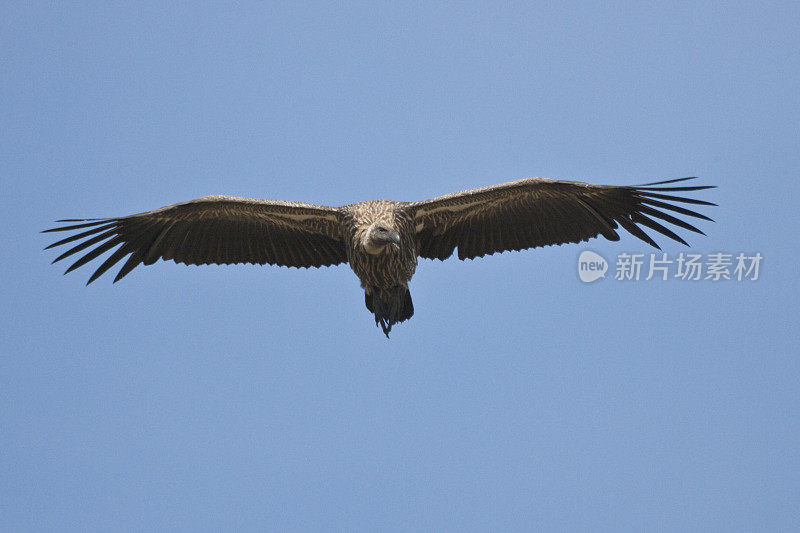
(591,266)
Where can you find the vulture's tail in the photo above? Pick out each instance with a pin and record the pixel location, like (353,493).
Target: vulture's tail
(389,307)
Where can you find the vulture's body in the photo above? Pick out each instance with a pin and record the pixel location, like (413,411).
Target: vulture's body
(380,239)
(385,273)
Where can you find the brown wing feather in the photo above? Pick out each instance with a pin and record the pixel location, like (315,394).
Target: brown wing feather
(539,212)
(213,229)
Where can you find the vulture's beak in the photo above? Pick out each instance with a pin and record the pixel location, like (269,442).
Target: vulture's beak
(394,237)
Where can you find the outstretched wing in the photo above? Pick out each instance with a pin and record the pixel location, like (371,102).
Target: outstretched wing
(539,212)
(213,229)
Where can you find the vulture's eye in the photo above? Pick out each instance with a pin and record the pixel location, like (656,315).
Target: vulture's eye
(382,230)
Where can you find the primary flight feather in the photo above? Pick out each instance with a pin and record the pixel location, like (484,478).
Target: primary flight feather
(381,239)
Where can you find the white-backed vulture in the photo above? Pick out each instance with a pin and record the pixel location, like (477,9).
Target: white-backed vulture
(381,239)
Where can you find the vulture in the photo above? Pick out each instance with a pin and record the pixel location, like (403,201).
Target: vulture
(381,239)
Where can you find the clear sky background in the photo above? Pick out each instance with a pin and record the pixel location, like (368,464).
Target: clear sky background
(517,397)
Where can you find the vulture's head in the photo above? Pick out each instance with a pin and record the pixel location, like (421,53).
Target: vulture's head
(378,237)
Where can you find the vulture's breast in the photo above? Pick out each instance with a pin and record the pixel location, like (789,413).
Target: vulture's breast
(394,266)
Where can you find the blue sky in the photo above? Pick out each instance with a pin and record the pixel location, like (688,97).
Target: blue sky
(517,397)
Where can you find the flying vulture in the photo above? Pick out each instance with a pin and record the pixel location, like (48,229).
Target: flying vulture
(381,239)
